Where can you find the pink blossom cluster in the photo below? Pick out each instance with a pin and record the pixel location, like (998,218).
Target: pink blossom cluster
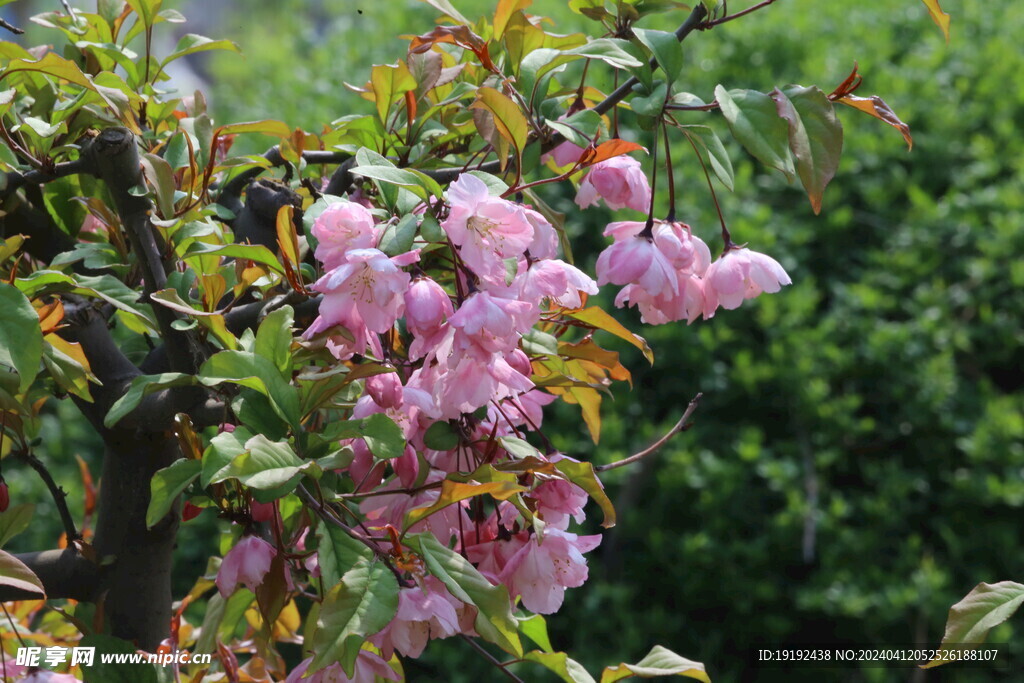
(450,350)
(666,270)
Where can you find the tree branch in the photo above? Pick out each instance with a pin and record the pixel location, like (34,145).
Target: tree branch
(680,426)
(59,494)
(64,574)
(116,159)
(692,22)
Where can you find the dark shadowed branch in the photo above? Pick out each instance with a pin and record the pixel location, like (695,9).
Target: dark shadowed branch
(64,574)
(59,494)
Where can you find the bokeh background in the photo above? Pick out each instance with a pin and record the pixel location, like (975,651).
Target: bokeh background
(857,463)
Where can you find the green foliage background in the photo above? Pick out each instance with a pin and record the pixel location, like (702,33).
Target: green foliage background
(857,463)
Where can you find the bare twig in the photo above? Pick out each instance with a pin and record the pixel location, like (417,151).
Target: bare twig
(58,493)
(680,426)
(490,658)
(730,17)
(11,27)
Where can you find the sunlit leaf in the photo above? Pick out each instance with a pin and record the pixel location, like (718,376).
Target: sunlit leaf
(599,318)
(940,18)
(658,662)
(981,610)
(360,605)
(452,492)
(876,106)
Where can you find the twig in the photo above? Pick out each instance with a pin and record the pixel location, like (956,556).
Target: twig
(680,426)
(327,515)
(11,27)
(745,12)
(71,12)
(692,22)
(59,494)
(490,658)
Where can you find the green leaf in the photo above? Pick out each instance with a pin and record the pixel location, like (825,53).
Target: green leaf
(253,252)
(666,48)
(815,137)
(115,671)
(139,388)
(360,605)
(383,437)
(190,43)
(535,628)
(718,158)
(146,9)
(440,436)
(398,236)
(14,520)
(583,475)
(569,670)
(611,51)
(274,339)
(255,372)
(338,552)
(981,610)
(659,662)
(166,485)
(518,448)
(755,123)
(389,81)
(418,183)
(21,340)
(217,457)
(509,120)
(266,464)
(161,176)
(494,621)
(651,104)
(15,574)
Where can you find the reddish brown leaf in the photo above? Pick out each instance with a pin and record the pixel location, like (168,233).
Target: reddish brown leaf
(457,35)
(852,82)
(876,106)
(607,150)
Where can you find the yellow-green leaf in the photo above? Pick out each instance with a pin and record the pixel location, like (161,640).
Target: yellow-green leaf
(940,18)
(596,316)
(659,662)
(389,81)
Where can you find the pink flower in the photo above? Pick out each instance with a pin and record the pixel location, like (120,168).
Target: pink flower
(556,280)
(492,324)
(369,668)
(636,259)
(423,614)
(545,239)
(427,307)
(540,571)
(620,181)
(247,563)
(341,227)
(486,229)
(740,274)
(686,304)
(367,289)
(564,154)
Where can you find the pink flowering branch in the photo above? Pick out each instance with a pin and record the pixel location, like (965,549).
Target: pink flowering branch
(680,426)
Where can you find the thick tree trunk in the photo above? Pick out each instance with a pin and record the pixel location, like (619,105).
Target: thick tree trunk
(137,586)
